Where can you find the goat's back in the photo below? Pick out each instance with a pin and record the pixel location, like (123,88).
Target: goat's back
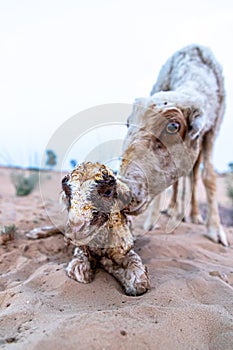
(195,70)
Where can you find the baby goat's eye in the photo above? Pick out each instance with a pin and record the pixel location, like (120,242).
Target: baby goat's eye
(108,193)
(173,127)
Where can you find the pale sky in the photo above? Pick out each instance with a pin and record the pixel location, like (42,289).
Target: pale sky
(60,57)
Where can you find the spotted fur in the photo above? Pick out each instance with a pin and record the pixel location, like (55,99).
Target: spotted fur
(99,229)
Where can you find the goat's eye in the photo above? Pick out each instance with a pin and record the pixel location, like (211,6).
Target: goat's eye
(108,193)
(173,127)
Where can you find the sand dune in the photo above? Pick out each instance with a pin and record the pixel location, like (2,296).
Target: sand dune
(189,306)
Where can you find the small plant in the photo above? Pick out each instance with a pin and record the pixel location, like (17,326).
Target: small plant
(24,183)
(51,161)
(7,233)
(73,163)
(230,166)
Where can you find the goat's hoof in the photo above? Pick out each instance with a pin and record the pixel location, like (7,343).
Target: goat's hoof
(217,235)
(197,219)
(150,227)
(80,271)
(171,212)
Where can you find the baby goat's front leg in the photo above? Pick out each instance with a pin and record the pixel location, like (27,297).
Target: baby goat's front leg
(44,231)
(80,268)
(129,270)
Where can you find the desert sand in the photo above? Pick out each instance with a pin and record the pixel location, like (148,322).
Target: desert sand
(189,306)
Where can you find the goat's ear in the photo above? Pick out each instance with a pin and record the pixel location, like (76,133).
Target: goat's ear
(140,101)
(196,123)
(138,106)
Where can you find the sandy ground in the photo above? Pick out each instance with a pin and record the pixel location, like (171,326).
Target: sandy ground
(189,306)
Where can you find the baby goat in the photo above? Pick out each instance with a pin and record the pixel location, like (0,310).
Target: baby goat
(99,229)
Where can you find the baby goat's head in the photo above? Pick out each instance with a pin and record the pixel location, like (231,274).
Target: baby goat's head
(91,193)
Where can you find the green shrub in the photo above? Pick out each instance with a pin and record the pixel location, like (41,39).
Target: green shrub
(51,158)
(230,182)
(7,233)
(230,166)
(24,182)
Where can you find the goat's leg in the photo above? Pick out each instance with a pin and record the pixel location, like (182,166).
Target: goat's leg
(183,196)
(129,271)
(196,217)
(153,214)
(81,267)
(176,207)
(45,231)
(173,205)
(214,229)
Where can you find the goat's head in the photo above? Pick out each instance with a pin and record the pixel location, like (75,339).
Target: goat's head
(91,194)
(162,144)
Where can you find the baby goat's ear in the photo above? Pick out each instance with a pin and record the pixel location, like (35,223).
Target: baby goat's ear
(196,122)
(65,197)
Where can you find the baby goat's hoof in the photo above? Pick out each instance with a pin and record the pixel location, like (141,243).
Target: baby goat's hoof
(138,284)
(80,271)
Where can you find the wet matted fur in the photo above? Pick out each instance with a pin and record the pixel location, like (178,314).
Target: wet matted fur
(98,227)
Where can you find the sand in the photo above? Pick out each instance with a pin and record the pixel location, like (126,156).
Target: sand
(189,306)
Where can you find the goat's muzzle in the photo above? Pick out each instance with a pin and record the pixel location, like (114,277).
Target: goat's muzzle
(133,176)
